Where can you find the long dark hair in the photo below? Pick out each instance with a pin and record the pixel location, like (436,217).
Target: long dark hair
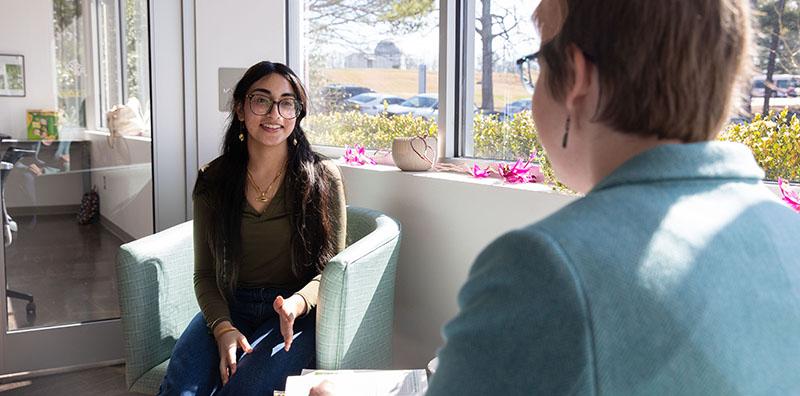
(312,242)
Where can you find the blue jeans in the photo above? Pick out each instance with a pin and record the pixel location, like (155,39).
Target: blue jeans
(194,365)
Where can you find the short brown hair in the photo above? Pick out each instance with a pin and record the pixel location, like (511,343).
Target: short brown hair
(666,68)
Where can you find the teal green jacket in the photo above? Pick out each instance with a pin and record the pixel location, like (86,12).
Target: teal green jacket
(678,274)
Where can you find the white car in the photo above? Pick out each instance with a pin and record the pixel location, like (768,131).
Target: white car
(784,85)
(373,103)
(422,105)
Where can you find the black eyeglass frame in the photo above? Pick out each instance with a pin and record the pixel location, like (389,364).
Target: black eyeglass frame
(524,71)
(298,105)
(527,60)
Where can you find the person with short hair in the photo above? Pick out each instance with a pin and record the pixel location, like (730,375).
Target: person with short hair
(678,271)
(268,215)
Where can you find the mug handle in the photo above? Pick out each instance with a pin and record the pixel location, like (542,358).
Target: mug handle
(424,154)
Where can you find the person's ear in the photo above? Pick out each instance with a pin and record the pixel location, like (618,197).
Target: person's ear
(582,81)
(239,112)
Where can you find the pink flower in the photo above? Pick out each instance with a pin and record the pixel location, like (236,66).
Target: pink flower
(357,156)
(479,173)
(517,173)
(789,196)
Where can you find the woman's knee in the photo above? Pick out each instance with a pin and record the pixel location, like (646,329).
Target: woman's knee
(194,362)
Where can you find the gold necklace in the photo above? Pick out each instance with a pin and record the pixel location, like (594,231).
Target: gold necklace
(263,194)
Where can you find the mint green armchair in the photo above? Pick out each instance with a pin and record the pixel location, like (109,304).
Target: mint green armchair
(354,313)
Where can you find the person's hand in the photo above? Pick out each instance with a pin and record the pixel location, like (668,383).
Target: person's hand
(289,309)
(324,388)
(35,169)
(228,340)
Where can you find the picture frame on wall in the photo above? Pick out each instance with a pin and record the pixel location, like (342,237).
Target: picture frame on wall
(12,75)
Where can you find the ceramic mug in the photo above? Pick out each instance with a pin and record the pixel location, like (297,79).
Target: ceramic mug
(414,153)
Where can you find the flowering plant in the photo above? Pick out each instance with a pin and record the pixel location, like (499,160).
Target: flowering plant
(789,196)
(519,172)
(357,156)
(478,172)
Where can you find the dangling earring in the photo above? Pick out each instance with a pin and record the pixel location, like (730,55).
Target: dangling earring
(241,136)
(566,134)
(294,141)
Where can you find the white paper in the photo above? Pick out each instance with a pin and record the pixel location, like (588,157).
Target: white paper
(361,382)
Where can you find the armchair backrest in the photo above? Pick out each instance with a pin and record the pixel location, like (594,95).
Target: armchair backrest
(355,311)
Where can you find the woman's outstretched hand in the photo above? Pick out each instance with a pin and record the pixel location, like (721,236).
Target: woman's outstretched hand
(288,309)
(228,340)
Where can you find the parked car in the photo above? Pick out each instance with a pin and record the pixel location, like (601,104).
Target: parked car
(422,105)
(517,106)
(373,103)
(334,96)
(784,85)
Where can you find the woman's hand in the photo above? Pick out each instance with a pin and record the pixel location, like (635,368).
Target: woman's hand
(228,340)
(324,388)
(289,309)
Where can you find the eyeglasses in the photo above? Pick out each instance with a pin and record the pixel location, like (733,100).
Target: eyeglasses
(288,108)
(528,68)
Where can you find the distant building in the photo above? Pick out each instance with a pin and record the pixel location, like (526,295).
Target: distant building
(359,61)
(387,56)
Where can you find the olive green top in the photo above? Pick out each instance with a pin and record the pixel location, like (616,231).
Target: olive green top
(266,252)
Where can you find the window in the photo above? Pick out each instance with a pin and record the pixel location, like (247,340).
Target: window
(368,77)
(123,50)
(71,63)
(495,34)
(389,48)
(137,55)
(109,65)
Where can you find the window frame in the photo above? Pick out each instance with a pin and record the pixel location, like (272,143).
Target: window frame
(96,118)
(100,121)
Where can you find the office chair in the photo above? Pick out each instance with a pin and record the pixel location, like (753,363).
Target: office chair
(10,158)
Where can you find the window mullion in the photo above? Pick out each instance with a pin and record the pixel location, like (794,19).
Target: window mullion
(466,86)
(122,51)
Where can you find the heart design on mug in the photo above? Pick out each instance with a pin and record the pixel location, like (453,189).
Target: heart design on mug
(424,154)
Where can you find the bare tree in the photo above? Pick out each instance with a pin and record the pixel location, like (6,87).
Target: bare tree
(490,26)
(773,50)
(336,21)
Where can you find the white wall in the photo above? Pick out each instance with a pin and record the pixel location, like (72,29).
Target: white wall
(26,28)
(231,34)
(446,220)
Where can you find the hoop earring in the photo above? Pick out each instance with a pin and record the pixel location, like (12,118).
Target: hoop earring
(566,133)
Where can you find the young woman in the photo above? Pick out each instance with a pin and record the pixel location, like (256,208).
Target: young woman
(268,214)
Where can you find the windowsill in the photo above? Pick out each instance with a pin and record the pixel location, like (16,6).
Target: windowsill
(492,182)
(385,165)
(108,134)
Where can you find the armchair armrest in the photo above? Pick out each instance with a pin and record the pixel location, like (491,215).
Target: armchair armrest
(356,302)
(157,298)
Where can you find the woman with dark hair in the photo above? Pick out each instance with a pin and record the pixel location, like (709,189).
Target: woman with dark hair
(268,214)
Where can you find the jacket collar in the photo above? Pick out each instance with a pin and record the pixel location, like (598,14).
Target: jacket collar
(705,160)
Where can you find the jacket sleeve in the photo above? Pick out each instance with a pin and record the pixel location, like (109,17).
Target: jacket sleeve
(522,328)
